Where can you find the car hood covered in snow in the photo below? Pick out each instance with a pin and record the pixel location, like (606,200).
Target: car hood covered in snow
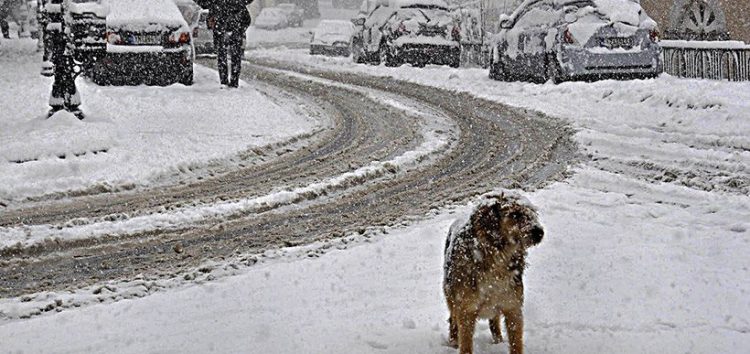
(144,15)
(625,16)
(330,32)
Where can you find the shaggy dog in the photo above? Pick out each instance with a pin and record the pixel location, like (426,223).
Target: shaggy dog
(484,262)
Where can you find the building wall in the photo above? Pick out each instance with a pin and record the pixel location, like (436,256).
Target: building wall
(737,13)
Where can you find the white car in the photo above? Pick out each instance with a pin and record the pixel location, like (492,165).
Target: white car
(203,37)
(332,37)
(272,18)
(576,39)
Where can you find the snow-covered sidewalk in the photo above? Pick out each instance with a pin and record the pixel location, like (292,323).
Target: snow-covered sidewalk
(132,136)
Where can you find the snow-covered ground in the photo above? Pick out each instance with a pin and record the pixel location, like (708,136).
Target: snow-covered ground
(132,136)
(645,251)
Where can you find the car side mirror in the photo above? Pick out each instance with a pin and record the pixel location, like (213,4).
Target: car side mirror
(359,21)
(505,21)
(506,24)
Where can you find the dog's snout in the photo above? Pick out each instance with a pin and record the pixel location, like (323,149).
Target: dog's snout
(537,233)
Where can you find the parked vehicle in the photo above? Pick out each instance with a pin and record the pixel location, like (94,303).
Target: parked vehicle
(203,37)
(295,15)
(345,4)
(332,37)
(575,39)
(272,18)
(408,31)
(148,41)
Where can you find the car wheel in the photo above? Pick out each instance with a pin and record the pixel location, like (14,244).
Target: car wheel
(496,71)
(553,70)
(385,55)
(358,55)
(187,77)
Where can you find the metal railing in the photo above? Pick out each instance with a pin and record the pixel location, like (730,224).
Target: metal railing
(707,60)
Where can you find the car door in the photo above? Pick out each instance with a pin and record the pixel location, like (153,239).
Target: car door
(526,40)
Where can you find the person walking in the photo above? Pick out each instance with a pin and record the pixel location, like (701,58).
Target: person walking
(6,10)
(229,20)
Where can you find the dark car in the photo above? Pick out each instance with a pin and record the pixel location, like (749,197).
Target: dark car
(576,39)
(408,31)
(148,41)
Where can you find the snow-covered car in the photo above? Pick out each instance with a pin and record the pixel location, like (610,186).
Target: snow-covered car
(196,18)
(203,37)
(272,18)
(413,31)
(332,37)
(147,41)
(345,4)
(576,39)
(295,15)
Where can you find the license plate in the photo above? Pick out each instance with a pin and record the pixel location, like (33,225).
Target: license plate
(147,39)
(619,42)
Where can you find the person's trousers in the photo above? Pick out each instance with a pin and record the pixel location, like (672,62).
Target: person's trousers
(229,47)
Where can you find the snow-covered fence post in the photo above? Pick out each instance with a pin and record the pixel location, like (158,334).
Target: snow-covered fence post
(715,60)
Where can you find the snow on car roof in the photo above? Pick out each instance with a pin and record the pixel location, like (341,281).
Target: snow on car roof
(140,13)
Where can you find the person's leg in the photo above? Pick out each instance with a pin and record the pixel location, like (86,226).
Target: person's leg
(221,54)
(5,28)
(4,21)
(236,48)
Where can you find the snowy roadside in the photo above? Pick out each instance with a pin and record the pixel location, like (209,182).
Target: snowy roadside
(132,136)
(437,134)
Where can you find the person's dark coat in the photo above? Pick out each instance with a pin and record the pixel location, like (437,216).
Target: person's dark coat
(229,14)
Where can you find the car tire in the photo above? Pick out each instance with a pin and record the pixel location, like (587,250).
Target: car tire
(187,77)
(385,55)
(358,55)
(552,70)
(497,72)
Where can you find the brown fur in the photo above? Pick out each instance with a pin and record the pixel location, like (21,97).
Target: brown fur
(484,263)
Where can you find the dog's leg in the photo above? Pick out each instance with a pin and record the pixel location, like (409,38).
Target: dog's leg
(514,325)
(466,322)
(452,332)
(497,335)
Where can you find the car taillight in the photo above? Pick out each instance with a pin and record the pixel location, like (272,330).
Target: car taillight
(654,35)
(113,38)
(179,37)
(568,37)
(402,29)
(456,33)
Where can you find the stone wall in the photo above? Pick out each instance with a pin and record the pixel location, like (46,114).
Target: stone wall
(737,14)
